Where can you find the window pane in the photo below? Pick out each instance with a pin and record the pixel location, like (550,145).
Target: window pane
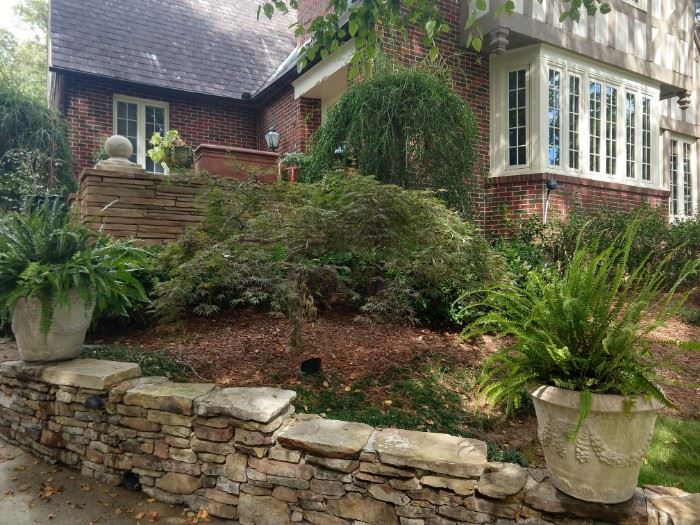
(630,133)
(574,115)
(554,117)
(127,124)
(595,125)
(673,177)
(155,123)
(646,138)
(687,181)
(517,118)
(610,130)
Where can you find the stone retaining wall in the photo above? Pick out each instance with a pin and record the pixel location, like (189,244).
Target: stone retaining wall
(242,454)
(151,208)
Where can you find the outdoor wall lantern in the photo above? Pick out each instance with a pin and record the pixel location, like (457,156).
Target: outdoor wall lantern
(272,138)
(551,185)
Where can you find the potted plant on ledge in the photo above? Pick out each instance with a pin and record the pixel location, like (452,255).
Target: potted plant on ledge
(54,274)
(171,150)
(578,341)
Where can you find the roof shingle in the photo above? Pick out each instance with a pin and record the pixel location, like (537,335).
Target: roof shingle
(214,47)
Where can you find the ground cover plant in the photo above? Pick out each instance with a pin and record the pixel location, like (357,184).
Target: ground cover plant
(405,126)
(344,242)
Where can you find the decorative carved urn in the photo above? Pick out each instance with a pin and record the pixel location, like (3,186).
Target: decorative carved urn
(601,464)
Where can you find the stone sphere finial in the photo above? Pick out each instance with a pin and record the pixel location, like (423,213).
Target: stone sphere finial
(118,146)
(118,149)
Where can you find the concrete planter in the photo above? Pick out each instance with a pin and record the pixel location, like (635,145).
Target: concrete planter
(602,464)
(65,337)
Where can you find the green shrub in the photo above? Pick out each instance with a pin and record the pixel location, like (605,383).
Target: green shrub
(45,255)
(585,329)
(405,126)
(34,151)
(532,245)
(343,242)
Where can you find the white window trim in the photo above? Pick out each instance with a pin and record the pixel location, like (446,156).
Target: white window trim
(537,60)
(682,139)
(140,121)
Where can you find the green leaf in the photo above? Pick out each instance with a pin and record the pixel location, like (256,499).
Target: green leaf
(353,27)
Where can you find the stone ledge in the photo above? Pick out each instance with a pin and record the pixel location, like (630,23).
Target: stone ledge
(439,453)
(261,405)
(90,373)
(327,437)
(166,396)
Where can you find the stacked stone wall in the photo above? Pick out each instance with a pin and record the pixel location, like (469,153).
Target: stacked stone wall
(151,208)
(242,454)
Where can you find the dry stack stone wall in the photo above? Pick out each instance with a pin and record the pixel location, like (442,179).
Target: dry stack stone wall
(152,208)
(242,454)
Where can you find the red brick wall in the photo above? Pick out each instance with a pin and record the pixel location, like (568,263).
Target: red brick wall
(470,78)
(526,194)
(309,10)
(199,119)
(294,119)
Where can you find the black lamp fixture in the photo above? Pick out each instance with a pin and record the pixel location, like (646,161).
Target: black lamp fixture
(272,138)
(551,185)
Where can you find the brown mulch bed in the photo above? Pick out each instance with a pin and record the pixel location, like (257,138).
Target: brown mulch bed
(249,348)
(246,348)
(681,373)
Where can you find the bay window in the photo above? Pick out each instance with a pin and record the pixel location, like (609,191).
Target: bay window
(138,119)
(556,112)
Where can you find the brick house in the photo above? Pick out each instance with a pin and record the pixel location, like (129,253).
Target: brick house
(606,107)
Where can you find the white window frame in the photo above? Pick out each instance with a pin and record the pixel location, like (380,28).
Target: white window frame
(682,140)
(140,121)
(527,118)
(538,60)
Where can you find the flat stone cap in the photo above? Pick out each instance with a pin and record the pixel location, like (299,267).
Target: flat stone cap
(440,453)
(95,374)
(249,404)
(178,398)
(327,437)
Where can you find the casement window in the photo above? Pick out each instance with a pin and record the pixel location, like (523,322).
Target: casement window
(573,116)
(682,178)
(595,124)
(631,134)
(138,119)
(646,139)
(517,117)
(610,130)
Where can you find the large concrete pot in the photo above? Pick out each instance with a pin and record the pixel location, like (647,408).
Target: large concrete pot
(602,464)
(65,337)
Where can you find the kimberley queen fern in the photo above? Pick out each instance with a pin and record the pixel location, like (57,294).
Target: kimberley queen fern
(45,255)
(585,329)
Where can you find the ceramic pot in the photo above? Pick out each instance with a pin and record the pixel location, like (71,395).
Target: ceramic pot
(181,157)
(66,335)
(602,463)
